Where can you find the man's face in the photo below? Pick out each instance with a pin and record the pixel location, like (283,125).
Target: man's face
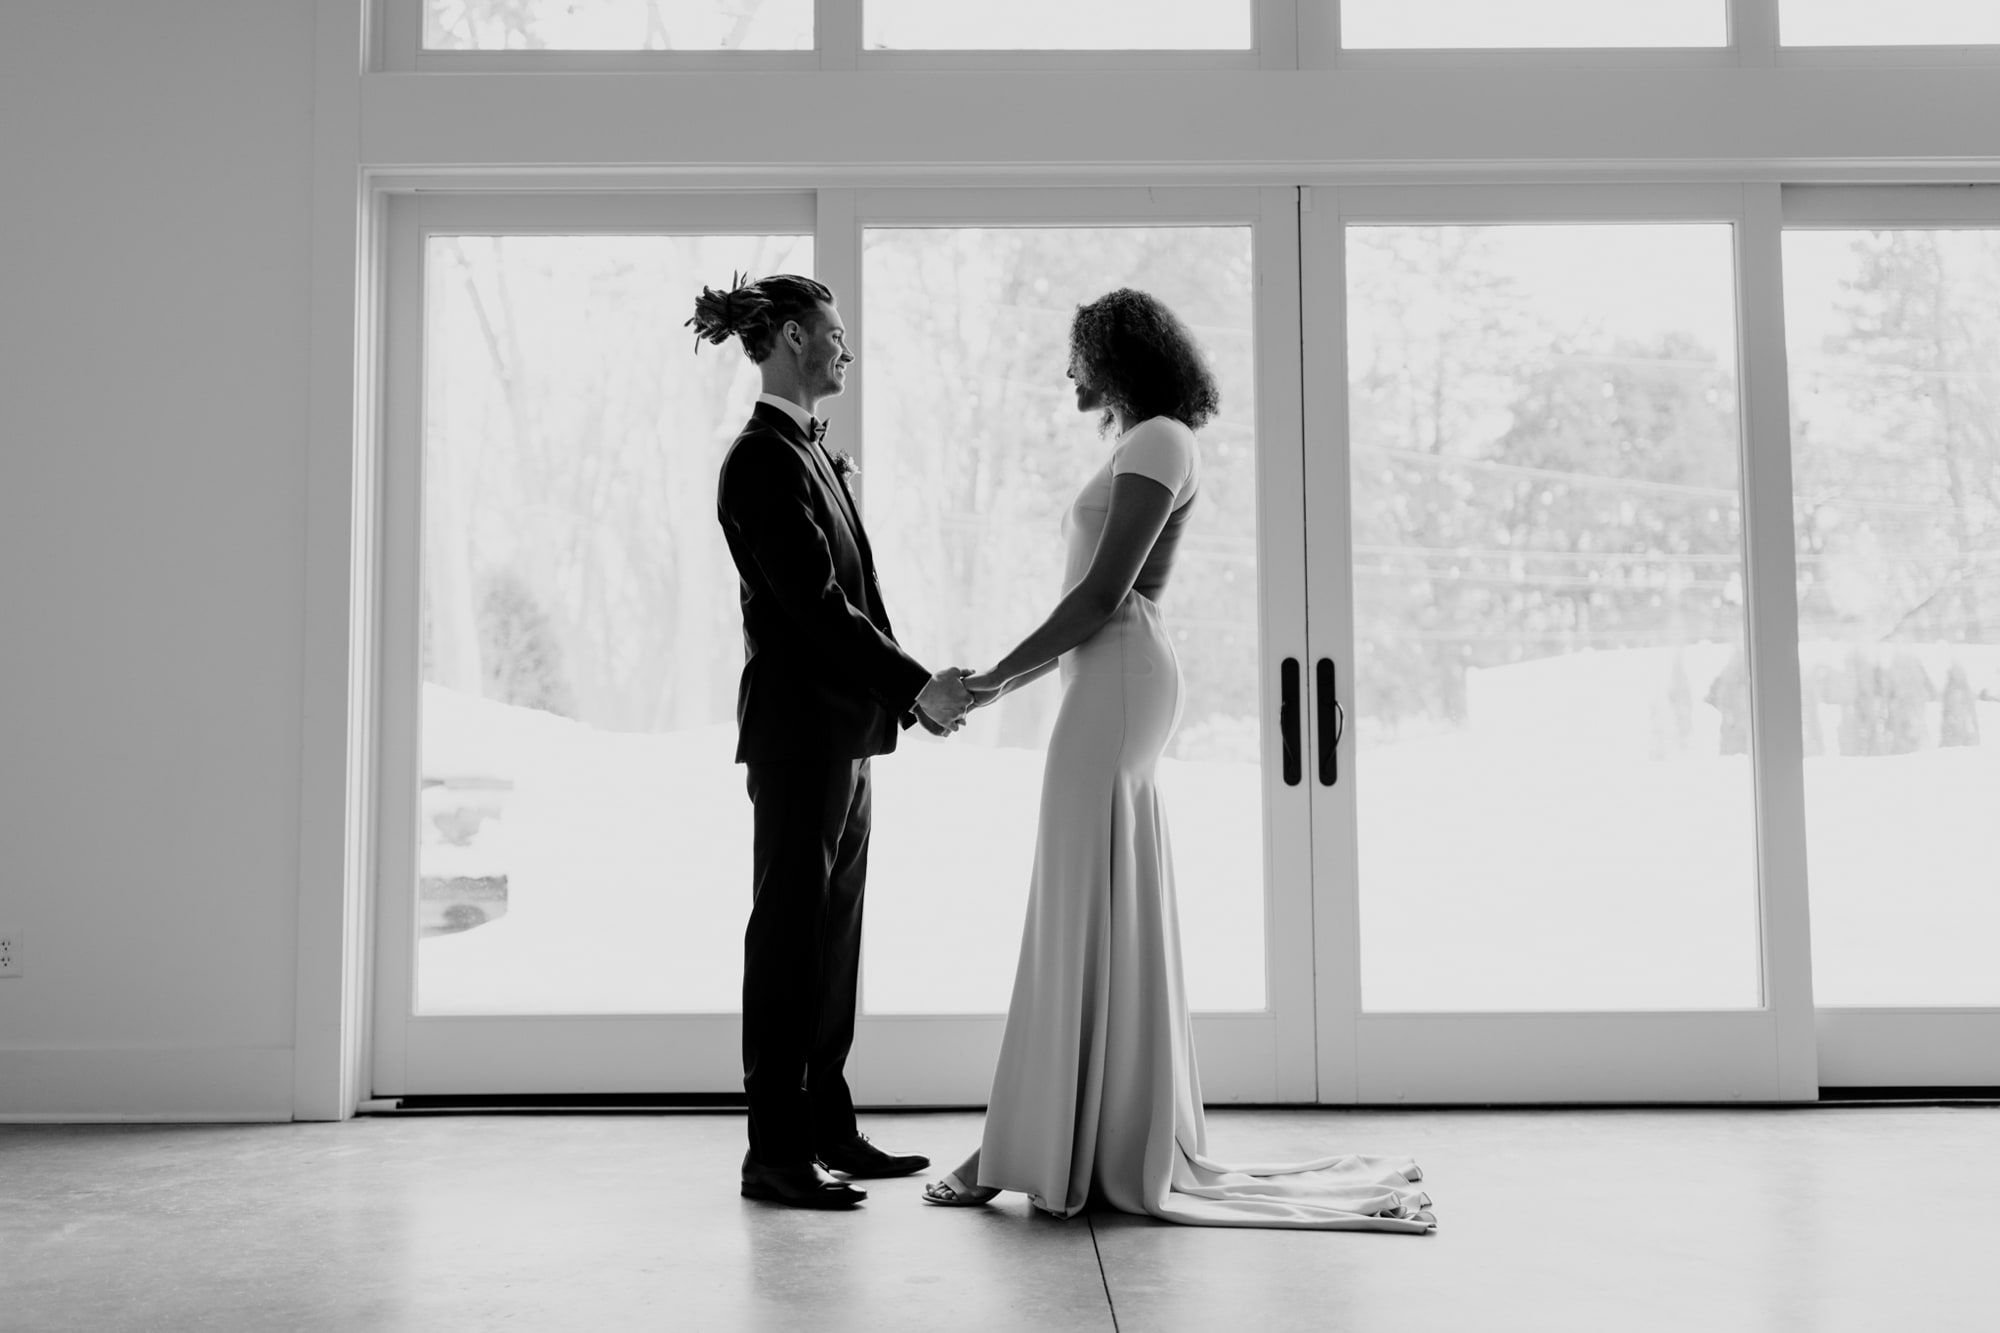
(824,359)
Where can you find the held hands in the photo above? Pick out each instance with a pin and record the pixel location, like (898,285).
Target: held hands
(984,687)
(952,694)
(944,701)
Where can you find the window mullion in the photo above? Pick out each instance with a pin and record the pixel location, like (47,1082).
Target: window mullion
(837,33)
(1318,27)
(1770,568)
(396,31)
(1753,31)
(1276,32)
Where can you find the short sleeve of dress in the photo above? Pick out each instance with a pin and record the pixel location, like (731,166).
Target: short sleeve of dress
(1162,449)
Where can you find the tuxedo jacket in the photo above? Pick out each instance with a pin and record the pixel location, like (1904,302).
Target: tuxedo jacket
(823,676)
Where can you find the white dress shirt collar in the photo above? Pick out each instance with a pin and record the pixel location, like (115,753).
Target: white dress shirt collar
(790,409)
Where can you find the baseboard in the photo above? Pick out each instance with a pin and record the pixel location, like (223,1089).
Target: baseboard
(141,1084)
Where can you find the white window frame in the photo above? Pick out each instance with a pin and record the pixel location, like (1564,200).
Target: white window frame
(1873,1046)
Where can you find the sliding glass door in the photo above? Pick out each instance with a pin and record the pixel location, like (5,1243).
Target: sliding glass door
(972,451)
(1892,318)
(1590,632)
(563,846)
(1534,440)
(565,871)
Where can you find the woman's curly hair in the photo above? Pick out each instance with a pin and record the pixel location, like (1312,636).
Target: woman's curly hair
(1143,360)
(755,311)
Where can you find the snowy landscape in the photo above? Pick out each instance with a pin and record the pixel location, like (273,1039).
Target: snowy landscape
(1570,871)
(1550,706)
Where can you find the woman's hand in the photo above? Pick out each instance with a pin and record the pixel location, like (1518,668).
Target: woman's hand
(985,687)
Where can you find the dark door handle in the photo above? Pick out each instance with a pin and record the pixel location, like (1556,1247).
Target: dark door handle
(1332,723)
(1288,717)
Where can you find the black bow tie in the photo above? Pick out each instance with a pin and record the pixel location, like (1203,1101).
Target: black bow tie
(817,429)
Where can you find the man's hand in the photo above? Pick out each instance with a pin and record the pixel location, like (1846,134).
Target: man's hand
(944,700)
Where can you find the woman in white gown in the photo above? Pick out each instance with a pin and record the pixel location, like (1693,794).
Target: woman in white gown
(1096,1089)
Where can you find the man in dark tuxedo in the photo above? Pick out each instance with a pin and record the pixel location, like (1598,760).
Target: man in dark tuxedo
(825,687)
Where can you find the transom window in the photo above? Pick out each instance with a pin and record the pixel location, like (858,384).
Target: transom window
(1056,25)
(618,25)
(1411,24)
(701,30)
(1872,23)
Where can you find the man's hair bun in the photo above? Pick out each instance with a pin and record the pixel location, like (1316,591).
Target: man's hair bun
(755,311)
(720,315)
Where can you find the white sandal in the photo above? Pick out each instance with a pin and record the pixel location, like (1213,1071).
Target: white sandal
(951,1192)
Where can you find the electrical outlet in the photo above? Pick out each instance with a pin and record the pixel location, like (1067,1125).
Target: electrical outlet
(10,953)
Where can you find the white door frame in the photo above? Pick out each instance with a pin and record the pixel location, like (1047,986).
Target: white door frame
(899,1059)
(1915,1046)
(1758,1054)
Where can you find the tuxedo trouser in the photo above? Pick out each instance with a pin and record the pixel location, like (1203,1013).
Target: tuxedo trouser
(802,954)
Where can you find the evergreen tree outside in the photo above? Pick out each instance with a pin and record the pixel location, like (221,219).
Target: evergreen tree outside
(522,657)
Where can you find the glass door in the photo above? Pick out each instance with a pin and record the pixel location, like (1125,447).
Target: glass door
(565,842)
(1536,453)
(1892,317)
(565,839)
(972,450)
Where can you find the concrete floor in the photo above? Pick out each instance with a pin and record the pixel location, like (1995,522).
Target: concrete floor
(1827,1218)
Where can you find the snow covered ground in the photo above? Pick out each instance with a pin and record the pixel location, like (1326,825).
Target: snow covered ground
(628,866)
(1507,865)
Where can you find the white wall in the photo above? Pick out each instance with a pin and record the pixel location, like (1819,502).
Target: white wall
(158,167)
(155,183)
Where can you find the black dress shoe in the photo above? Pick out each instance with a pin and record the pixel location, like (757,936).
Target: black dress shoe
(858,1157)
(807,1186)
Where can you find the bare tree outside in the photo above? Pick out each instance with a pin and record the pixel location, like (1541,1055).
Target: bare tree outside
(618,25)
(581,630)
(974,452)
(1552,706)
(1551,761)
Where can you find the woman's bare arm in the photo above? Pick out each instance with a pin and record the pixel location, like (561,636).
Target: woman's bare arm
(982,697)
(1140,507)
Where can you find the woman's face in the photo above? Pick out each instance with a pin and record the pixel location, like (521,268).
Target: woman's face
(1089,398)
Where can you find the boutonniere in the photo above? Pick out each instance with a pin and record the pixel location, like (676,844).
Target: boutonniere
(846,468)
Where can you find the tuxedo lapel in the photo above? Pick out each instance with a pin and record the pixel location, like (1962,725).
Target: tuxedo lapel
(822,467)
(832,478)
(839,484)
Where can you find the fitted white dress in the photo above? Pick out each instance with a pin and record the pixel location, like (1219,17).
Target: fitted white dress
(1096,1085)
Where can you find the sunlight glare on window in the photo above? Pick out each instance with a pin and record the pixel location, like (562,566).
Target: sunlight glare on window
(1056,25)
(1435,24)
